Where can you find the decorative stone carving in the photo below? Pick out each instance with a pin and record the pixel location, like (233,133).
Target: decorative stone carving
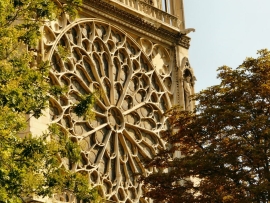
(183,41)
(188,81)
(135,85)
(157,3)
(151,2)
(187,90)
(122,16)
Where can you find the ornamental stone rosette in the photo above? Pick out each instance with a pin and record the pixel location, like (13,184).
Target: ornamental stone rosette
(134,58)
(136,84)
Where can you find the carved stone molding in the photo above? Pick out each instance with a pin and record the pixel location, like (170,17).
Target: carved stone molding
(135,82)
(187,79)
(183,41)
(101,7)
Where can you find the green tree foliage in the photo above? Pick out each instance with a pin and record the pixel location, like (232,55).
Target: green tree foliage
(224,143)
(31,165)
(84,108)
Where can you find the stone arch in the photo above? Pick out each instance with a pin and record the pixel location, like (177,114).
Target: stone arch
(128,113)
(187,85)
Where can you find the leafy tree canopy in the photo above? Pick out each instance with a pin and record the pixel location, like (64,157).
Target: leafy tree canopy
(30,165)
(224,143)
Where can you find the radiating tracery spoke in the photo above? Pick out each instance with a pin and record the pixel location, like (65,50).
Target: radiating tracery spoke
(131,97)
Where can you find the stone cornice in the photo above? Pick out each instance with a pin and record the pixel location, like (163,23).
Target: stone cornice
(137,22)
(183,41)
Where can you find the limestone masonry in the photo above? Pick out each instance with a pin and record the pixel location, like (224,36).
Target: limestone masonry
(135,54)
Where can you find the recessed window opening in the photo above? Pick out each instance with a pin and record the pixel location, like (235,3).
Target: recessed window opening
(166,6)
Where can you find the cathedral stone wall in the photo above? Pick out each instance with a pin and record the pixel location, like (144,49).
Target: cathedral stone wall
(134,58)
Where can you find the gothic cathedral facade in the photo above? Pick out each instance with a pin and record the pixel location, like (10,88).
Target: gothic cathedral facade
(133,54)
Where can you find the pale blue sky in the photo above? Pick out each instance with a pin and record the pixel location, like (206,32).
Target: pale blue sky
(227,31)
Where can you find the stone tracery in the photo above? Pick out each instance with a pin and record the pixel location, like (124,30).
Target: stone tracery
(129,112)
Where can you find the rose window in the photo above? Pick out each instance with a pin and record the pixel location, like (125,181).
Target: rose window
(133,95)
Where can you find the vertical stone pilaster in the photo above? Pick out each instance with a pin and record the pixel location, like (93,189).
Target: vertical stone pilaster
(178,11)
(181,53)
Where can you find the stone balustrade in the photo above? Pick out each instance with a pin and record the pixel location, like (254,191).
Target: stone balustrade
(153,12)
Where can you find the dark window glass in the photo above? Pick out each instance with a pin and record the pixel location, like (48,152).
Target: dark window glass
(166,6)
